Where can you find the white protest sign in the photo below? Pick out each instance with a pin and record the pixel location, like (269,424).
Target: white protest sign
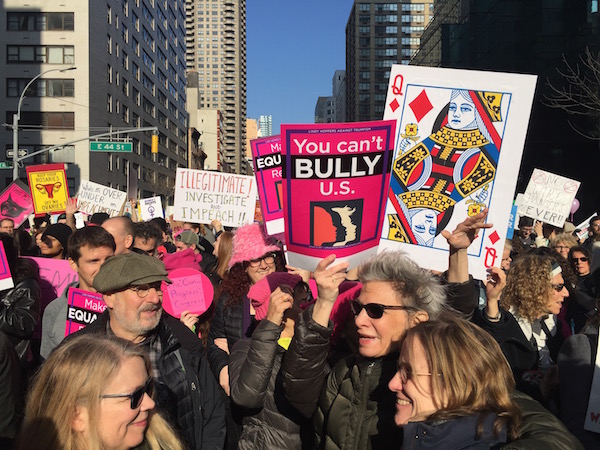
(592,416)
(202,196)
(151,208)
(584,228)
(548,197)
(94,197)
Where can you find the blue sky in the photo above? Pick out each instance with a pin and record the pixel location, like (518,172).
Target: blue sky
(293,48)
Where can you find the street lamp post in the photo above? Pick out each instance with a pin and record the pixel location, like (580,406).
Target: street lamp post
(17,117)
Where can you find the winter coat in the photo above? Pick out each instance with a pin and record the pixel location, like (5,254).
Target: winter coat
(522,355)
(187,390)
(354,407)
(227,322)
(54,322)
(19,314)
(270,422)
(576,362)
(455,434)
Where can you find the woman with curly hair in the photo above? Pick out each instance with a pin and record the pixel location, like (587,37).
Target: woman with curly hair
(524,321)
(453,388)
(254,257)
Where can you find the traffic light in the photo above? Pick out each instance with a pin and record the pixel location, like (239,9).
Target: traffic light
(154,147)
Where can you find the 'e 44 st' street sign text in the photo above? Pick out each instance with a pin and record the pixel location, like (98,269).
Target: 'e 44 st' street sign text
(125,147)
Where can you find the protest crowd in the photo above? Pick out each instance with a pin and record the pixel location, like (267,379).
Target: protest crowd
(367,302)
(384,355)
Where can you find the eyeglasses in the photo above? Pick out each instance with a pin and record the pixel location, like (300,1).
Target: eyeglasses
(582,259)
(136,396)
(405,373)
(561,247)
(142,290)
(558,287)
(268,259)
(374,310)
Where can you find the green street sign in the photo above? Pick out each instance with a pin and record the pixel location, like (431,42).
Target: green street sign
(6,165)
(124,147)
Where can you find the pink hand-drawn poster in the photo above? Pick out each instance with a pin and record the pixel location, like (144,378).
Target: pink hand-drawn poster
(266,157)
(16,203)
(459,142)
(336,177)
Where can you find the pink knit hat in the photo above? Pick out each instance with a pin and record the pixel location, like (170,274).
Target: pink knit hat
(249,242)
(184,258)
(260,292)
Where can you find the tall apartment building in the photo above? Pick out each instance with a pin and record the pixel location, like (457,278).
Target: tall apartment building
(216,51)
(130,72)
(339,95)
(379,33)
(265,125)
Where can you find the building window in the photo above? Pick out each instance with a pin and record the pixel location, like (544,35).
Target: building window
(41,54)
(38,21)
(41,88)
(47,120)
(109,103)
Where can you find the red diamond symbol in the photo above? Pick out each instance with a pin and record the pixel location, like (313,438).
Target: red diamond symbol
(494,237)
(394,105)
(421,105)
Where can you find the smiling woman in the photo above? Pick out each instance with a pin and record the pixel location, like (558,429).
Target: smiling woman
(95,392)
(453,387)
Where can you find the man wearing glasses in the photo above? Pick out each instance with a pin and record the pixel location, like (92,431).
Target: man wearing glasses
(186,391)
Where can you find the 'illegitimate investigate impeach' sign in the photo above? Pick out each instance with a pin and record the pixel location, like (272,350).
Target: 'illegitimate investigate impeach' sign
(548,197)
(202,196)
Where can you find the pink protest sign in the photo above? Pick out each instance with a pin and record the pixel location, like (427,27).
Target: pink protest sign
(191,291)
(6,281)
(266,156)
(336,178)
(16,203)
(84,307)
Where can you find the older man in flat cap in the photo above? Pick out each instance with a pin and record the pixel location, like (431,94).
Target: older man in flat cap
(186,391)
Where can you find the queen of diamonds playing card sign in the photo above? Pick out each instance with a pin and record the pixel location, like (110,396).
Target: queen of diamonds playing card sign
(458,147)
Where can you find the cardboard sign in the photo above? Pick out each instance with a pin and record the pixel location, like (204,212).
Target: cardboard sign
(48,186)
(584,228)
(459,140)
(16,203)
(84,307)
(151,208)
(336,178)
(548,197)
(191,291)
(266,157)
(592,416)
(6,281)
(94,197)
(202,197)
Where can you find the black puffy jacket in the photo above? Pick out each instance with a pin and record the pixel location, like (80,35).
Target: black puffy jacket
(194,393)
(270,422)
(19,314)
(227,322)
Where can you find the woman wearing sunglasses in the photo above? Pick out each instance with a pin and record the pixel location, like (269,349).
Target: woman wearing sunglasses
(525,322)
(453,388)
(94,392)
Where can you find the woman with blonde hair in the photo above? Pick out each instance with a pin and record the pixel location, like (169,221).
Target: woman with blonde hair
(94,392)
(525,320)
(453,388)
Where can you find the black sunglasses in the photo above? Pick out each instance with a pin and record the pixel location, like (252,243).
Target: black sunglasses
(374,310)
(136,396)
(582,259)
(558,287)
